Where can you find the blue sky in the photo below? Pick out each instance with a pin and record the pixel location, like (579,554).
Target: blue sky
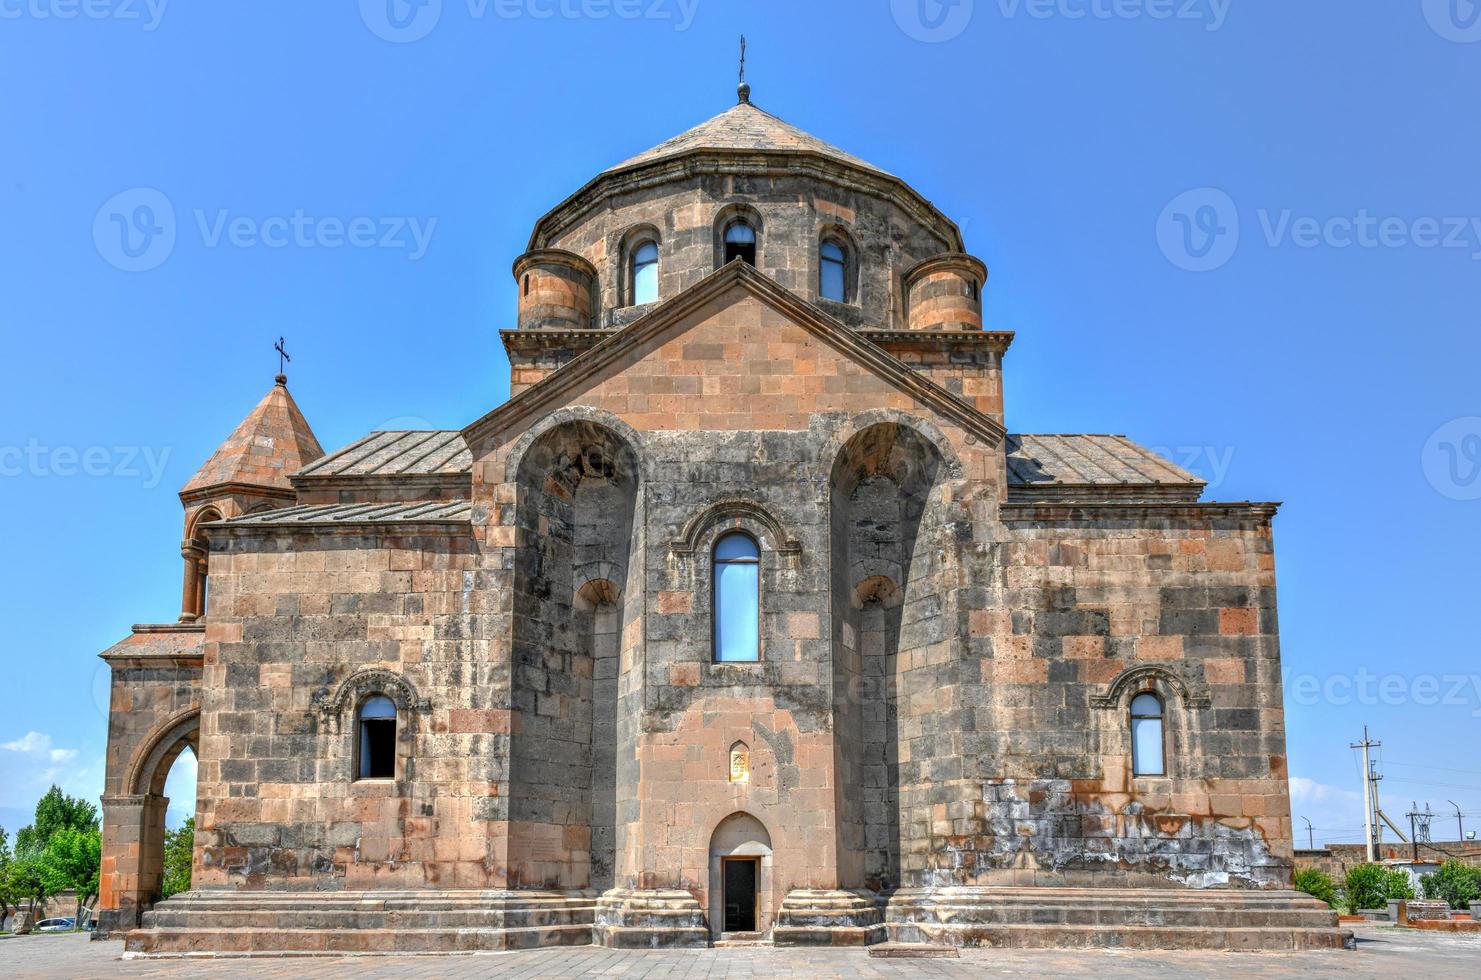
(1246,233)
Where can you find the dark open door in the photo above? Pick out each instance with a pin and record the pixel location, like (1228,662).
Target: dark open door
(740,895)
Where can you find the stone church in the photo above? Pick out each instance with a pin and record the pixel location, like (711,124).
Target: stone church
(745,617)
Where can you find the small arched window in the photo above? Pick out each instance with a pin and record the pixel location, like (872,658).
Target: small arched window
(740,242)
(833,271)
(1147,755)
(737,598)
(644,279)
(527,284)
(377,755)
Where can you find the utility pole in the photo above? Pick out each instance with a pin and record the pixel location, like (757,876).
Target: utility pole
(1414,836)
(1370,793)
(1460,821)
(1310,835)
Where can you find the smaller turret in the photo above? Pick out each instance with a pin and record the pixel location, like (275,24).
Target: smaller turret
(248,472)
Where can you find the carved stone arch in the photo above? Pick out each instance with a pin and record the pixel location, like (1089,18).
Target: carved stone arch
(833,446)
(734,514)
(150,765)
(599,582)
(564,416)
(364,683)
(205,515)
(738,211)
(1156,679)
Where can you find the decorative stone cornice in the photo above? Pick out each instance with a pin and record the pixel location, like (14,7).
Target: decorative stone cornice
(703,161)
(969,265)
(553,256)
(202,494)
(997,341)
(1135,512)
(363,683)
(735,508)
(1145,677)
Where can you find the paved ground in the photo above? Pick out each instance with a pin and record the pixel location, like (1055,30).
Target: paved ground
(1383,954)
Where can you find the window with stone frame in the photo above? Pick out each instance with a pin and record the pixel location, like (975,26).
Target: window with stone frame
(1148,737)
(737,598)
(643,273)
(740,242)
(833,270)
(376,730)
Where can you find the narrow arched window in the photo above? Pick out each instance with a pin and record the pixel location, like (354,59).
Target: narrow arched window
(740,242)
(833,271)
(737,597)
(644,281)
(1147,756)
(377,755)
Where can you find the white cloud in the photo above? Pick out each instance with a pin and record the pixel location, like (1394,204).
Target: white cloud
(32,742)
(1335,813)
(31,764)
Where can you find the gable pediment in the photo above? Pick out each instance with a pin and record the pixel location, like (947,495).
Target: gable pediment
(745,325)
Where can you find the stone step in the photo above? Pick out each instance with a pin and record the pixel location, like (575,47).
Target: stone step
(1023,936)
(341,941)
(171,917)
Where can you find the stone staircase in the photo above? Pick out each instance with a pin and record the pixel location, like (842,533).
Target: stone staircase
(1122,918)
(339,923)
(828,917)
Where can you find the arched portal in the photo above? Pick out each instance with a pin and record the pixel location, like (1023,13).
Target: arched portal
(883,490)
(741,878)
(578,493)
(134,824)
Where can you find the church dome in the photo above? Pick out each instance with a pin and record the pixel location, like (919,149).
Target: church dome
(832,228)
(741,129)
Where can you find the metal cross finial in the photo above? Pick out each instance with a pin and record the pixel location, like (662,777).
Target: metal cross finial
(745,89)
(283,359)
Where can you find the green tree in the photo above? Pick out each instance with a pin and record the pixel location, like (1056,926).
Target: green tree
(27,880)
(1455,883)
(7,898)
(1372,886)
(1318,884)
(179,848)
(73,859)
(56,811)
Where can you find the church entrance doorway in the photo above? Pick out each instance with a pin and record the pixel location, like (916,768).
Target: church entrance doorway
(741,877)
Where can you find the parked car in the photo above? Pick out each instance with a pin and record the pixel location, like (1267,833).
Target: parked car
(56,925)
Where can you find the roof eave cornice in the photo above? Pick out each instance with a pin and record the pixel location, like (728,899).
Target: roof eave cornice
(702,160)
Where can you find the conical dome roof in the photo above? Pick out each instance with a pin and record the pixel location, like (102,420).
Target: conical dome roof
(745,127)
(272,442)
